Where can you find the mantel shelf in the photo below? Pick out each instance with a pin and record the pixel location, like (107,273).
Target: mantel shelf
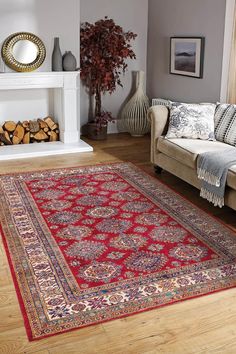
(40,73)
(39,79)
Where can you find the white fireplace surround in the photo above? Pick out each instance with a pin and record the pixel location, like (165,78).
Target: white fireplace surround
(66,113)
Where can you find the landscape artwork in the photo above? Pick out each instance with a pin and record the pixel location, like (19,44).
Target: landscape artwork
(186,56)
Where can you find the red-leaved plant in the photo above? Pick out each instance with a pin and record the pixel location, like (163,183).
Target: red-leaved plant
(104,48)
(102,119)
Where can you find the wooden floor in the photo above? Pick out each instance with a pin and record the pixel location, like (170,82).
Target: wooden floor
(204,325)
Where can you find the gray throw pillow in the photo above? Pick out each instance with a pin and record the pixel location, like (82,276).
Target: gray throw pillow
(225,123)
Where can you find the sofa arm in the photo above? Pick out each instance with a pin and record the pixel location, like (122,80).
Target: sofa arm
(158,116)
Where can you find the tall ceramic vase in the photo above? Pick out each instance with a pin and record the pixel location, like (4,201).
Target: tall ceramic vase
(56,56)
(134,113)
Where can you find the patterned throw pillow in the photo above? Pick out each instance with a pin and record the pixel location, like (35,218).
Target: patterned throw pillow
(225,123)
(192,121)
(161,102)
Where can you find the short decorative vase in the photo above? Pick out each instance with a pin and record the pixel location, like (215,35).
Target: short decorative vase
(56,56)
(69,62)
(134,113)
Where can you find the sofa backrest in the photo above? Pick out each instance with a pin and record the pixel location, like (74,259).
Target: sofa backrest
(225,119)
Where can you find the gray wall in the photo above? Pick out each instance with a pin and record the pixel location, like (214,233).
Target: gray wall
(47,19)
(185,18)
(131,15)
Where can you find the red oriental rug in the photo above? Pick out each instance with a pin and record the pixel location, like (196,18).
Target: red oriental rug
(92,244)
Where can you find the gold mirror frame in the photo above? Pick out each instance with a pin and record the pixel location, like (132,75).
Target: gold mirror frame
(8,57)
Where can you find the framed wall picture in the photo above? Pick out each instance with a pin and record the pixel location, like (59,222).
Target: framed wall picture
(186,56)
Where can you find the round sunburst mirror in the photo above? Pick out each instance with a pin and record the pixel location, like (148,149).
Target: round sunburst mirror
(23,51)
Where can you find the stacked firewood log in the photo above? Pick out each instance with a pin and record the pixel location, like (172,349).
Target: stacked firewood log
(29,131)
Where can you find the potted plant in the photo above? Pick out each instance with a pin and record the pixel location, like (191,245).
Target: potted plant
(104,48)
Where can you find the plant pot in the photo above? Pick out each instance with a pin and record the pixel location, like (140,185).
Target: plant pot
(95,133)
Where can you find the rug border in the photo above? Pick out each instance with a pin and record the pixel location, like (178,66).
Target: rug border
(185,198)
(25,318)
(20,299)
(18,293)
(24,312)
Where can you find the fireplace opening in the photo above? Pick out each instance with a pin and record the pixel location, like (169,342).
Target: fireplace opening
(29,131)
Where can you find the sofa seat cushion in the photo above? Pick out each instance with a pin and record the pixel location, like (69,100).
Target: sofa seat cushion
(187,150)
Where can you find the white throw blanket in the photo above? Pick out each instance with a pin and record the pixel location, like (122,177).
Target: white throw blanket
(212,170)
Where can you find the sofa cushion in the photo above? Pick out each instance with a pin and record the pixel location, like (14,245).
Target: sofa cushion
(192,121)
(225,123)
(187,150)
(161,102)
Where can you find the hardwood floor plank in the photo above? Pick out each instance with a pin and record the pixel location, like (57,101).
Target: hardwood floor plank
(7,296)
(14,340)
(5,276)
(12,316)
(199,326)
(170,330)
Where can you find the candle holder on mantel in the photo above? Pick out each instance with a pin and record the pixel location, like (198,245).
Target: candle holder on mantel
(134,113)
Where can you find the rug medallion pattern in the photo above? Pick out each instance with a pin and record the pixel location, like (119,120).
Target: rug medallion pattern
(91,244)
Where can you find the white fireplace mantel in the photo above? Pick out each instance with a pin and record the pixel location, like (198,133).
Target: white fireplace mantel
(66,111)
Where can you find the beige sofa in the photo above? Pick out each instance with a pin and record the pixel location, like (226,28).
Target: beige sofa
(179,156)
